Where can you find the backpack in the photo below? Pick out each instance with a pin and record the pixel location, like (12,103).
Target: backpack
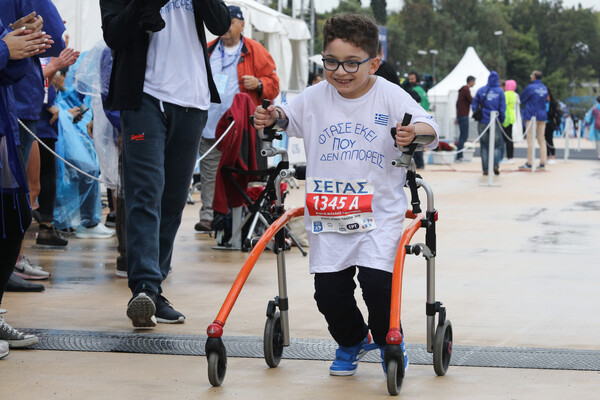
(596,115)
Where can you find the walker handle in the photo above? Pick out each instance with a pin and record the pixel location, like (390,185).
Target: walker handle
(405,122)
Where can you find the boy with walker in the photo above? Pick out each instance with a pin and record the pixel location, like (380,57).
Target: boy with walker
(355,202)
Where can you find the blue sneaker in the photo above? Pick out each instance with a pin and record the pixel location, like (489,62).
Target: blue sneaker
(403,348)
(347,358)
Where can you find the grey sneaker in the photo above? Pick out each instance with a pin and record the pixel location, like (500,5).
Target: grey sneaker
(26,270)
(141,309)
(14,337)
(3,349)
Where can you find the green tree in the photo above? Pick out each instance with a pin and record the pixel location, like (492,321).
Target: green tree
(379,11)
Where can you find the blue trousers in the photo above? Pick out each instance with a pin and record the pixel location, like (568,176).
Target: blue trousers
(485,143)
(463,125)
(160,145)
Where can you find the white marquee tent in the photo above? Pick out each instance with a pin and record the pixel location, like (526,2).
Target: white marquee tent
(443,96)
(284,37)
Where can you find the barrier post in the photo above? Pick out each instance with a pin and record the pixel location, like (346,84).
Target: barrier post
(533,141)
(493,116)
(579,129)
(568,128)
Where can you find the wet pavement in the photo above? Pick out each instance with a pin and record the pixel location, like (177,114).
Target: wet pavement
(517,268)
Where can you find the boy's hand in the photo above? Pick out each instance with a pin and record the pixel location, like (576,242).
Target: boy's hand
(404,134)
(264,117)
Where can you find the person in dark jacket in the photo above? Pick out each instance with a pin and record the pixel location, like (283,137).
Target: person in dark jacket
(162,84)
(552,122)
(463,103)
(534,99)
(386,70)
(491,96)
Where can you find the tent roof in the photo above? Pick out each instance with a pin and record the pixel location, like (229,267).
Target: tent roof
(470,64)
(265,19)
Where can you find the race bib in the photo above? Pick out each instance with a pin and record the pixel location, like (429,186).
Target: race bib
(342,206)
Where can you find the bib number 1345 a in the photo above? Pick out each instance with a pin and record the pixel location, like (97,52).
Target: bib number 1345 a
(343,206)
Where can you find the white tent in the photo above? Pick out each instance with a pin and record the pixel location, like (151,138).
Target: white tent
(284,37)
(443,96)
(84,23)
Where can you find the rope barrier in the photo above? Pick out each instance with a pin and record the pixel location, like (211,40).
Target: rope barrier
(214,145)
(98,179)
(62,159)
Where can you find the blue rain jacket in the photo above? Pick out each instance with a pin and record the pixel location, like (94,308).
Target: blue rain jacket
(494,101)
(29,91)
(534,99)
(11,167)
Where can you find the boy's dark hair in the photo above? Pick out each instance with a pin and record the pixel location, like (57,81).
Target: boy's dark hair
(470,78)
(63,71)
(357,29)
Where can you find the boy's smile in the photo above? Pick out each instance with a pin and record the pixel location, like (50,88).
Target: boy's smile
(350,85)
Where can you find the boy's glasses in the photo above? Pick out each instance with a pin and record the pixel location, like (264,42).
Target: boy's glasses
(349,66)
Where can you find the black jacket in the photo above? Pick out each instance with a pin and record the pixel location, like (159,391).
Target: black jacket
(120,26)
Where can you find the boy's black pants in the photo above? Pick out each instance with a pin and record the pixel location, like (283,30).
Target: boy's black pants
(334,293)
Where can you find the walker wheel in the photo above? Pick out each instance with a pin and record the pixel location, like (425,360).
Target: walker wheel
(395,375)
(273,338)
(442,348)
(217,360)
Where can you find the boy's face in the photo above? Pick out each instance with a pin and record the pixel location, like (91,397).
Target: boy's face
(350,85)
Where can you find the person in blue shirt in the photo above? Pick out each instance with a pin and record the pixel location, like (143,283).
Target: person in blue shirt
(533,99)
(29,92)
(492,98)
(15,212)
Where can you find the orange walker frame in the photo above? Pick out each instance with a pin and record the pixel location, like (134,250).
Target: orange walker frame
(276,334)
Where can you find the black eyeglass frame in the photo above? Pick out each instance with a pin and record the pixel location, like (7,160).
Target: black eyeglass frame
(343,64)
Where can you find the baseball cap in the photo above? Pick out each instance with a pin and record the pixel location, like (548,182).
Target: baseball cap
(236,12)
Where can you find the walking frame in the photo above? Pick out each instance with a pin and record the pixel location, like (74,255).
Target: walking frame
(276,332)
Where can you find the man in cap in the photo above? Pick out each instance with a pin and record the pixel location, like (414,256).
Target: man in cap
(240,65)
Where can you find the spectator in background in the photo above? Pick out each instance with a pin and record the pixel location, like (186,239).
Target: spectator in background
(534,99)
(511,98)
(414,84)
(491,97)
(163,85)
(240,65)
(552,122)
(15,210)
(463,104)
(592,124)
(29,95)
(386,70)
(48,133)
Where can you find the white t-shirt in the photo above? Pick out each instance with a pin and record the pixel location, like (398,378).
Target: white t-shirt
(355,200)
(175,68)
